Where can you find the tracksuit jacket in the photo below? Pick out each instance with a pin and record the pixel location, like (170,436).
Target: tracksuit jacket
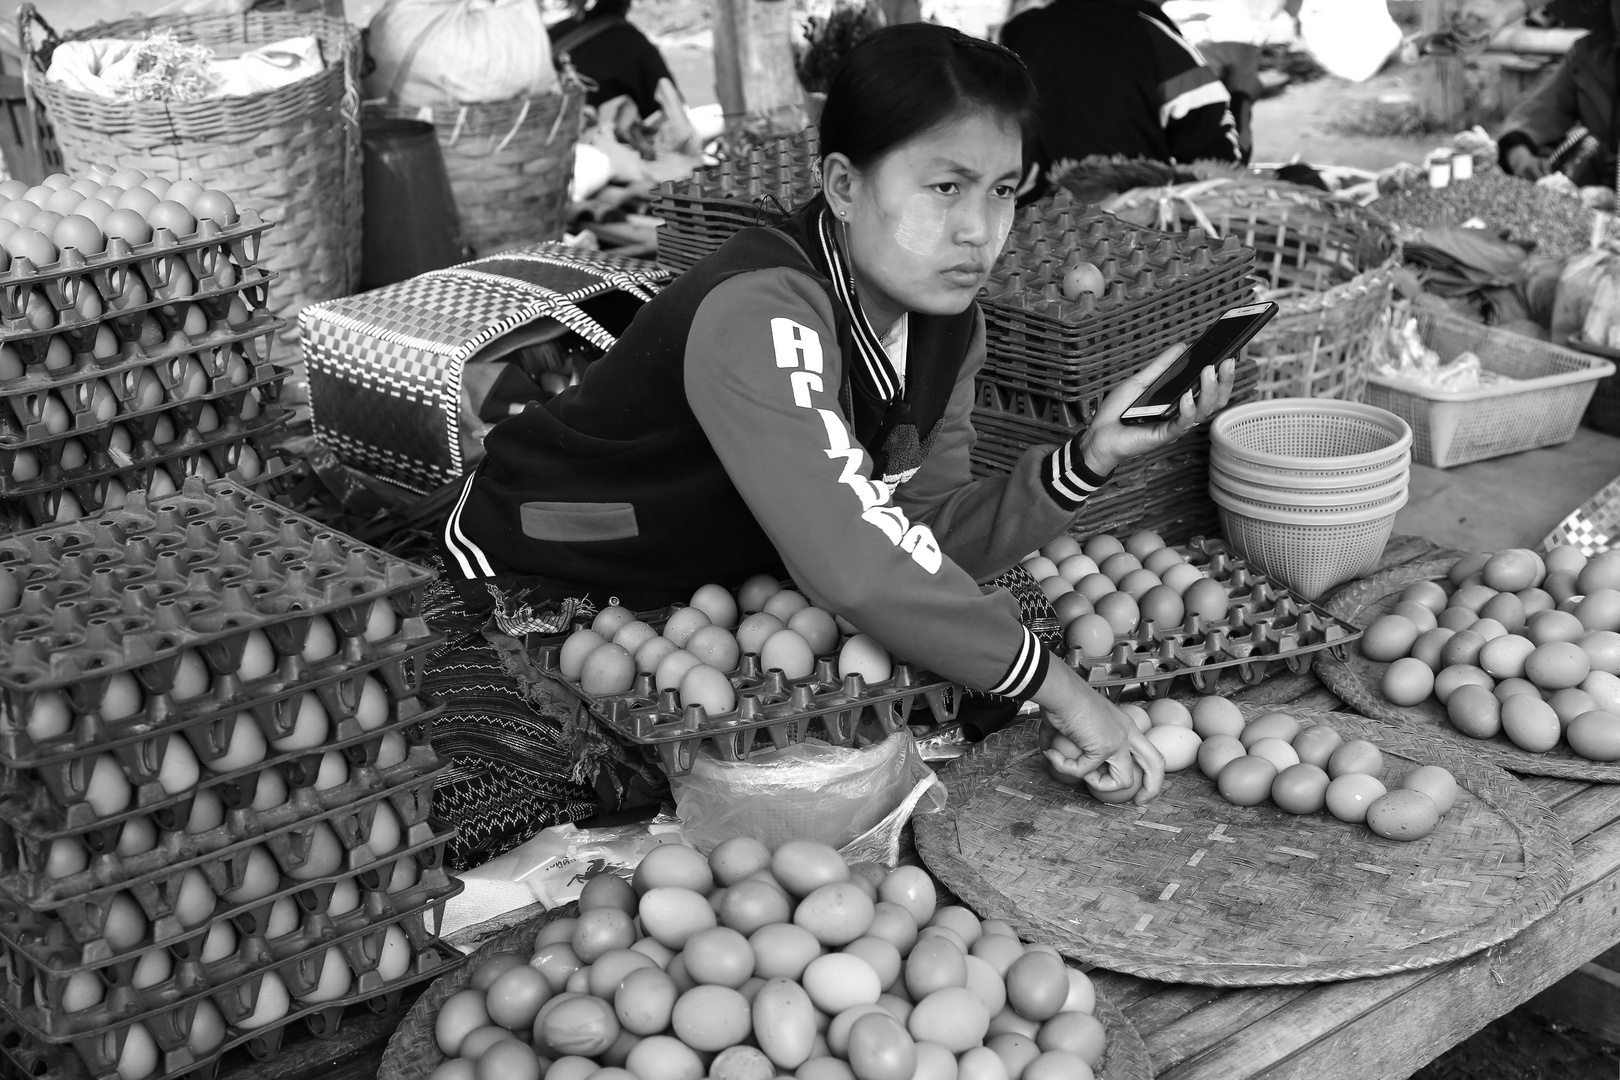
(748,421)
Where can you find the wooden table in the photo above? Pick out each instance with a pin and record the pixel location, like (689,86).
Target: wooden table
(1385,1028)
(1367,1029)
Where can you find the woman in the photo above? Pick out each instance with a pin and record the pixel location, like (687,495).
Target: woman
(799,403)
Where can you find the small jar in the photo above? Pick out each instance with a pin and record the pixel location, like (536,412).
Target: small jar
(1440,169)
(1462,167)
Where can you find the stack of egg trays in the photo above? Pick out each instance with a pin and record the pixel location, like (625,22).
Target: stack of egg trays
(129,591)
(772,711)
(1266,624)
(85,333)
(1160,288)
(703,210)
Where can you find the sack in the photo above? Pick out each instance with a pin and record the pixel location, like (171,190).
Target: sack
(810,791)
(1577,287)
(1351,38)
(445,52)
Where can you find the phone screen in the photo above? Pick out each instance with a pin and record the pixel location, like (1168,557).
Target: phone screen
(1224,338)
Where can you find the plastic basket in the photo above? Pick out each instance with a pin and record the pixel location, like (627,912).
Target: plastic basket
(1310,502)
(1301,436)
(1542,406)
(1310,554)
(1256,475)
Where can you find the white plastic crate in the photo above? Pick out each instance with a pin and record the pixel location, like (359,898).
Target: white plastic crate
(1541,407)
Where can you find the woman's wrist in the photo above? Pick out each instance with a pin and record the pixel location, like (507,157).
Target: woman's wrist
(1092,459)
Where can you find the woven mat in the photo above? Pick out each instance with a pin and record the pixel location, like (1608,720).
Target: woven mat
(1357,681)
(1193,889)
(413,1053)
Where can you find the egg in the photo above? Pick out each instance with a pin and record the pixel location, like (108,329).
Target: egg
(1162,605)
(1215,715)
(789,652)
(609,670)
(1139,582)
(610,619)
(1182,577)
(784,604)
(652,653)
(1530,723)
(1053,587)
(1216,751)
(215,206)
(756,629)
(1121,612)
(138,1057)
(1408,681)
(1604,690)
(1506,609)
(1602,649)
(683,623)
(1569,703)
(1550,626)
(67,856)
(1178,745)
(1599,610)
(461,1014)
(1246,781)
(1275,725)
(1041,568)
(1462,648)
(1508,687)
(1428,593)
(836,913)
(1457,675)
(1556,665)
(670,915)
(1475,711)
(1403,814)
(1207,599)
(632,635)
(707,686)
(1595,736)
(838,981)
(178,771)
(194,903)
(1092,635)
(864,656)
(1076,568)
(816,627)
(1356,756)
(137,836)
(207,812)
(1137,715)
(125,923)
(1316,743)
(1416,614)
(715,647)
(1504,657)
(1070,606)
(311,726)
(658,1057)
(673,668)
(712,1018)
(107,789)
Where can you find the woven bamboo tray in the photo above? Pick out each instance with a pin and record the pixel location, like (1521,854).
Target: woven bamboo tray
(1357,681)
(1192,889)
(413,1053)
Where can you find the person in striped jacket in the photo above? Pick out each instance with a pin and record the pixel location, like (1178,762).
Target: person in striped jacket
(799,403)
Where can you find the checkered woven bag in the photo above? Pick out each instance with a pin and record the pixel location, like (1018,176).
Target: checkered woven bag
(385,366)
(1592,527)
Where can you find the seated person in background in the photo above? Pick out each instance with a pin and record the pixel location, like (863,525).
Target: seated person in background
(634,93)
(1568,124)
(1117,77)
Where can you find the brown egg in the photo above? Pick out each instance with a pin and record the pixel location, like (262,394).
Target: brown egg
(1428,646)
(1389,638)
(1207,599)
(1428,593)
(1449,679)
(1434,781)
(1556,665)
(1117,565)
(1595,735)
(1408,681)
(1530,723)
(1403,815)
(1475,712)
(1417,614)
(1162,606)
(1246,781)
(1300,789)
(1599,610)
(1356,756)
(1121,612)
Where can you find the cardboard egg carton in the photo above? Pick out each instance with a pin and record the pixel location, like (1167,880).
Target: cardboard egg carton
(203,568)
(1265,624)
(95,1056)
(43,299)
(772,711)
(345,917)
(88,931)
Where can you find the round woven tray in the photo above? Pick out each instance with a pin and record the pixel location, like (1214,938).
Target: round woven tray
(1357,681)
(1193,889)
(413,1053)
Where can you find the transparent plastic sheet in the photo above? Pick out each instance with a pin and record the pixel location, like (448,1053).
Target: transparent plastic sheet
(859,799)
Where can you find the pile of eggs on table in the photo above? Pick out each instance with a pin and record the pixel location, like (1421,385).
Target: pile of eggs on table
(755,964)
(1107,588)
(702,642)
(1302,769)
(37,222)
(1525,647)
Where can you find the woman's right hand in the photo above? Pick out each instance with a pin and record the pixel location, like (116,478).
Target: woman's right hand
(1113,753)
(1525,164)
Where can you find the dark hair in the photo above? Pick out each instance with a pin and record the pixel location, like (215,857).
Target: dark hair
(903,80)
(603,9)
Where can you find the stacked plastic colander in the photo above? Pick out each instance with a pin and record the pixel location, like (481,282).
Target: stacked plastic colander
(1308,488)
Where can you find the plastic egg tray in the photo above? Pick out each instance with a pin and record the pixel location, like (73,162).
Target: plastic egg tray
(23,423)
(772,711)
(216,259)
(199,569)
(95,1057)
(50,804)
(701,211)
(70,935)
(295,956)
(1265,624)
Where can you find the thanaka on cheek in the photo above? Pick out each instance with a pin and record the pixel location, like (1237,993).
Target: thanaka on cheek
(919,227)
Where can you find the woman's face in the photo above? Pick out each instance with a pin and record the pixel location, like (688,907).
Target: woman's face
(926,222)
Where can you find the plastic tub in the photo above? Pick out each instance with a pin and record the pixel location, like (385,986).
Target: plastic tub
(1310,553)
(1238,469)
(1313,503)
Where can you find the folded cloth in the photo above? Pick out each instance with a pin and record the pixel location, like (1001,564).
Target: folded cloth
(162,68)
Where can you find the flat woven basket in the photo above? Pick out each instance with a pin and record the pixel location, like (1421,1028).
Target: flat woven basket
(1357,681)
(1593,526)
(1328,264)
(292,154)
(413,1053)
(1193,889)
(510,163)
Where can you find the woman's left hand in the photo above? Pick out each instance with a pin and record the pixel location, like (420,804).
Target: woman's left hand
(1109,442)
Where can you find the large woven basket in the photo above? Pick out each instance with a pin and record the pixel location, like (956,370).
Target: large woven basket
(510,163)
(1328,264)
(292,154)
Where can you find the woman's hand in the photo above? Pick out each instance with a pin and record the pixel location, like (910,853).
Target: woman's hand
(1114,755)
(1523,163)
(1109,442)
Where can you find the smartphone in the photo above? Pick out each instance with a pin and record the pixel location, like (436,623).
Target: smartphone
(1224,338)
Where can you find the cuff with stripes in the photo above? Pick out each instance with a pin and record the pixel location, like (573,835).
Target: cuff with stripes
(1066,477)
(1027,672)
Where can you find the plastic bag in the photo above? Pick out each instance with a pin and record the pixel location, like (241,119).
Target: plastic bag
(1351,38)
(441,52)
(1577,286)
(808,791)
